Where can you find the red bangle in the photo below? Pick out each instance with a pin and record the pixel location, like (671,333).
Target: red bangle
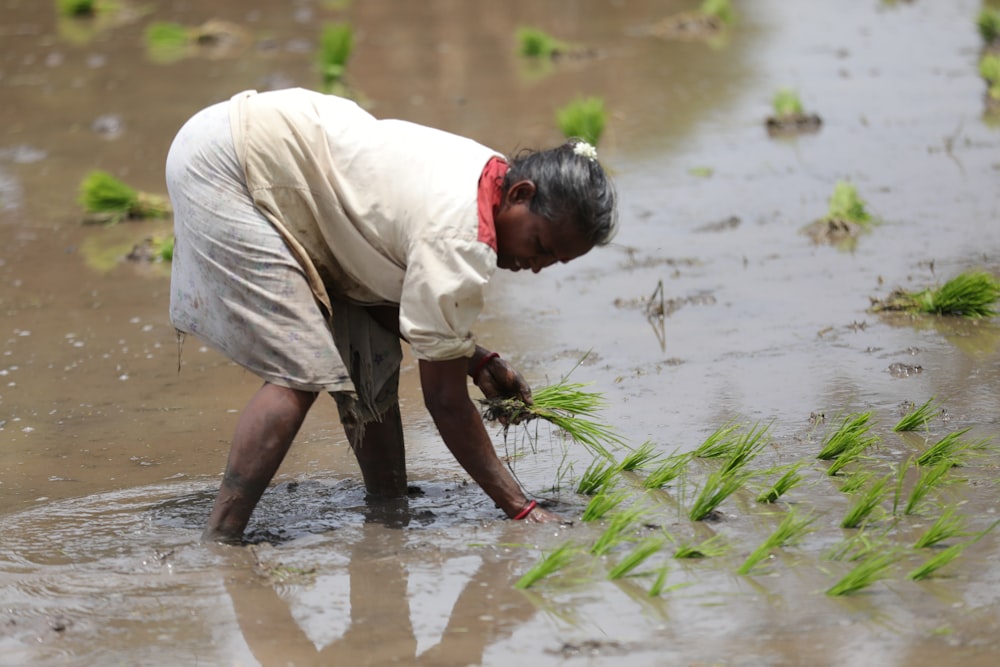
(526,511)
(481,365)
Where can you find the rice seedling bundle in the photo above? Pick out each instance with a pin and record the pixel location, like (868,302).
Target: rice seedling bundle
(712,547)
(786,103)
(535,43)
(597,478)
(952,449)
(717,487)
(553,561)
(855,481)
(636,557)
(720,9)
(947,526)
(667,471)
(930,478)
(919,417)
(846,437)
(77,8)
(583,118)
(719,444)
(567,406)
(639,458)
(335,48)
(617,530)
(603,503)
(874,567)
(659,583)
(988,24)
(845,204)
(745,448)
(972,294)
(937,561)
(852,454)
(102,193)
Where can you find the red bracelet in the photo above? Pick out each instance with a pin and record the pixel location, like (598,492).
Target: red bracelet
(526,511)
(482,364)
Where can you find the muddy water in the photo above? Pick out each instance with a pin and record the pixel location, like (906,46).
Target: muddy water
(111,452)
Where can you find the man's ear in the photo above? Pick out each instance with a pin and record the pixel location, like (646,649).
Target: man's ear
(521,192)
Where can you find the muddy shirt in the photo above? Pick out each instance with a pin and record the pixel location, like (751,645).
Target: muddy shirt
(376,211)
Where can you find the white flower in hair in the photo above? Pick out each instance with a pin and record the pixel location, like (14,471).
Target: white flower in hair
(583,149)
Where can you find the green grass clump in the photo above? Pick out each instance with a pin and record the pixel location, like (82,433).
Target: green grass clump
(720,9)
(667,471)
(535,43)
(102,193)
(77,7)
(846,204)
(603,503)
(788,480)
(786,103)
(988,24)
(866,502)
(636,557)
(874,567)
(583,118)
(335,47)
(951,449)
(919,417)
(930,478)
(553,561)
(791,529)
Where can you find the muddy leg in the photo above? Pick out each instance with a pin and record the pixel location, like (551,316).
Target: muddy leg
(263,435)
(381,455)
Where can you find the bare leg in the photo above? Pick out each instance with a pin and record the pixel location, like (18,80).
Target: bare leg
(263,435)
(381,455)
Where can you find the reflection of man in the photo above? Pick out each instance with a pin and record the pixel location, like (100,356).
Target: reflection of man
(380,630)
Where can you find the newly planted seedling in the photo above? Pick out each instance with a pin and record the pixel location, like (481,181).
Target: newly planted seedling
(937,561)
(854,453)
(603,503)
(786,103)
(718,9)
(791,529)
(717,487)
(952,449)
(855,481)
(745,448)
(719,444)
(712,547)
(535,43)
(552,562)
(917,418)
(788,480)
(583,118)
(597,478)
(866,502)
(77,8)
(110,200)
(636,557)
(667,471)
(617,530)
(972,294)
(874,567)
(948,525)
(988,24)
(846,437)
(989,69)
(637,459)
(335,47)
(930,477)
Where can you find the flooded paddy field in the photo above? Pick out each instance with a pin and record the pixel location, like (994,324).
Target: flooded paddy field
(111,445)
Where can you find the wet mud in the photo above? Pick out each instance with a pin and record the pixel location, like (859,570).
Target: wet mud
(711,307)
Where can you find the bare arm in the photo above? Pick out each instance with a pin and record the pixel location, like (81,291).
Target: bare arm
(461,427)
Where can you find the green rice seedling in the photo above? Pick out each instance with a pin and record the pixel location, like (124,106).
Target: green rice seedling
(866,502)
(952,449)
(989,69)
(167,42)
(717,487)
(720,9)
(786,103)
(746,447)
(616,531)
(853,548)
(947,526)
(553,561)
(855,481)
(535,43)
(335,47)
(637,459)
(636,557)
(602,503)
(77,8)
(712,547)
(851,455)
(565,405)
(598,477)
(660,582)
(917,418)
(163,249)
(719,444)
(971,294)
(101,193)
(791,529)
(988,24)
(846,204)
(937,561)
(667,471)
(930,477)
(788,480)
(583,118)
(874,567)
(853,429)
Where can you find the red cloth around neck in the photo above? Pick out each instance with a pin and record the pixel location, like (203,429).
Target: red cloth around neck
(488,199)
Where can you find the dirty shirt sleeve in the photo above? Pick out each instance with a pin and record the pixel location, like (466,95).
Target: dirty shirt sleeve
(443,295)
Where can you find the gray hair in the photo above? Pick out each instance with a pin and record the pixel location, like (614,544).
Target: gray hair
(568,187)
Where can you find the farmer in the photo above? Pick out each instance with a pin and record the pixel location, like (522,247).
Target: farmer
(310,238)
